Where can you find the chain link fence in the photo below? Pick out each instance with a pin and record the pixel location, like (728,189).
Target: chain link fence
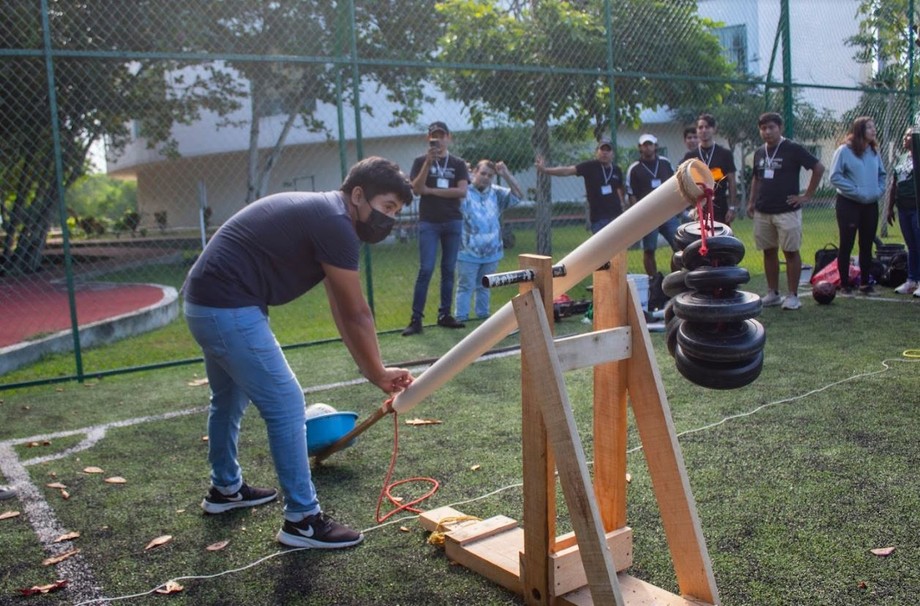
(132,130)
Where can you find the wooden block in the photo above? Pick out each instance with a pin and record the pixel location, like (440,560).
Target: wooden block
(593,348)
(496,558)
(635,593)
(481,530)
(430,520)
(568,573)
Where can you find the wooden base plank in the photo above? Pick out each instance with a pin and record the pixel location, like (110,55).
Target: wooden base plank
(635,592)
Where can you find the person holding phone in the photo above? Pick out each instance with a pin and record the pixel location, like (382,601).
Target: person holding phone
(440,179)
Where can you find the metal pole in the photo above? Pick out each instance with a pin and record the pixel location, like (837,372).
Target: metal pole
(788,117)
(359,143)
(611,106)
(59,177)
(912,38)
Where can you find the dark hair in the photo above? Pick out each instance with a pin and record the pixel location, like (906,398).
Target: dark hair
(856,138)
(708,119)
(690,130)
(376,175)
(768,117)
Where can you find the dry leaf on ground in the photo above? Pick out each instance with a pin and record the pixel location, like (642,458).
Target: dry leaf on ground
(217,546)
(169,587)
(882,551)
(6,515)
(423,422)
(65,495)
(198,382)
(39,589)
(67,537)
(60,557)
(92,469)
(56,485)
(115,480)
(476,467)
(160,540)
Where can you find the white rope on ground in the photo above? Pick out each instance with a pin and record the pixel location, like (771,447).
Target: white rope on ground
(886,366)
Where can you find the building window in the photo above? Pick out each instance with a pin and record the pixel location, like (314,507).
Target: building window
(734,45)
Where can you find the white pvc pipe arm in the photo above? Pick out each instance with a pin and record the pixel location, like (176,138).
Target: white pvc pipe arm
(669,199)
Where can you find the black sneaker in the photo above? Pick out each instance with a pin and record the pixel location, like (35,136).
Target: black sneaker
(847,291)
(7,492)
(318,532)
(414,328)
(448,321)
(246,496)
(868,291)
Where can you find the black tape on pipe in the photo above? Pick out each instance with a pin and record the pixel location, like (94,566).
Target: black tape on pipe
(516,277)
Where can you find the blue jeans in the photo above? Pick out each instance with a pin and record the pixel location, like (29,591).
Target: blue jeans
(910,229)
(469,281)
(600,224)
(429,236)
(244,362)
(666,229)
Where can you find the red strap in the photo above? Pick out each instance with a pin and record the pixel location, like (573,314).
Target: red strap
(706,215)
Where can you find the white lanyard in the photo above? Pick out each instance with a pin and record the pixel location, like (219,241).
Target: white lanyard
(438,168)
(769,163)
(712,151)
(654,174)
(606,176)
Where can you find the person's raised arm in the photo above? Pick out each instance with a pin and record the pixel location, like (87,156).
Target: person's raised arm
(505,174)
(355,323)
(555,171)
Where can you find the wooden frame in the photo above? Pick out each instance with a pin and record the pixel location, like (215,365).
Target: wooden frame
(586,567)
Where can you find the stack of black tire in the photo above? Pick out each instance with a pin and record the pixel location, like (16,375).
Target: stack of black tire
(711,332)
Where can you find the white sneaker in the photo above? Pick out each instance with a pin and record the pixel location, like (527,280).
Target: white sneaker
(771,299)
(917,293)
(791,302)
(907,288)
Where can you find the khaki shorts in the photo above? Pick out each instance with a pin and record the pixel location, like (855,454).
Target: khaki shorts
(783,231)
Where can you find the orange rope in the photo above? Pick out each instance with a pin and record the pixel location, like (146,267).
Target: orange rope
(386,489)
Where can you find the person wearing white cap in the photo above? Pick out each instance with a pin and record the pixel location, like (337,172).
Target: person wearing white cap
(604,185)
(642,177)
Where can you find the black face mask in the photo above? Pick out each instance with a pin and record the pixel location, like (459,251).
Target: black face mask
(377,227)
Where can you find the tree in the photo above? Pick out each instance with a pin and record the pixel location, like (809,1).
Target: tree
(886,42)
(95,99)
(554,42)
(383,29)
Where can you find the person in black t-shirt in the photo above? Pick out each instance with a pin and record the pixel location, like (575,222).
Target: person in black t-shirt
(721,163)
(776,206)
(441,180)
(604,185)
(642,177)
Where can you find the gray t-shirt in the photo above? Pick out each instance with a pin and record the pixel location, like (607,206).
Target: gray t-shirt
(269,253)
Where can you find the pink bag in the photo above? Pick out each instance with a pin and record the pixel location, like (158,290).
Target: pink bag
(831,273)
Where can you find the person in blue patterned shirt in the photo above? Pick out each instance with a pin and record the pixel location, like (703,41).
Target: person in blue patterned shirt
(481,243)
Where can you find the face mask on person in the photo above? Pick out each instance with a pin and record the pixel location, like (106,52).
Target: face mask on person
(377,227)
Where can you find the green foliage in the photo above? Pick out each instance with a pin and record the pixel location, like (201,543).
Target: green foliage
(94,99)
(101,196)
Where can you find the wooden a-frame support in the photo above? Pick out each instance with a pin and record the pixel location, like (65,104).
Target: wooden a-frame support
(585,567)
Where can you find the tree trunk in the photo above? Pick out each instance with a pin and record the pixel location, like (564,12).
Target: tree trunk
(544,207)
